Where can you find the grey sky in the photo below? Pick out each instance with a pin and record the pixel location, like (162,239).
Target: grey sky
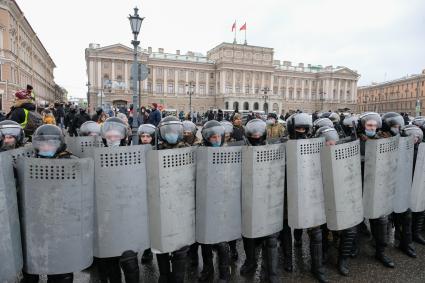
(379,39)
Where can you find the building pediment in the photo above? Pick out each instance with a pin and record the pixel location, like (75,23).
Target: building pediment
(116,48)
(345,71)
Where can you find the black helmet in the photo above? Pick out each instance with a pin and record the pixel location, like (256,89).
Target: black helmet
(147,129)
(412,130)
(322,122)
(99,110)
(369,116)
(299,120)
(329,133)
(171,130)
(392,122)
(90,128)
(255,131)
(114,132)
(48,141)
(211,128)
(272,115)
(11,128)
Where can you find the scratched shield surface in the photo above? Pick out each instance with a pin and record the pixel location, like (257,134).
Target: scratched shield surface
(121,215)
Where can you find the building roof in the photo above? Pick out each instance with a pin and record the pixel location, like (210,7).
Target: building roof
(395,81)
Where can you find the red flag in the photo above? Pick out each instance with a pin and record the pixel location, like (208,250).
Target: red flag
(234,26)
(243,27)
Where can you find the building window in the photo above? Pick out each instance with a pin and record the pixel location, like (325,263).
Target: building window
(159,72)
(159,87)
(181,88)
(211,91)
(228,89)
(238,89)
(256,90)
(202,89)
(170,88)
(291,95)
(212,77)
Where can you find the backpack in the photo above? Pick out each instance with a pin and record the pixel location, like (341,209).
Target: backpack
(34,121)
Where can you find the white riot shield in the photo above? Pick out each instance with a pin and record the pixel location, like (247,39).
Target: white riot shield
(56,214)
(83,146)
(306,205)
(263,186)
(218,194)
(171,192)
(417,198)
(342,185)
(121,217)
(380,177)
(404,173)
(10,235)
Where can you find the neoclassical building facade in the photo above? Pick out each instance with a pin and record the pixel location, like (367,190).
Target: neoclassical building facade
(23,59)
(230,76)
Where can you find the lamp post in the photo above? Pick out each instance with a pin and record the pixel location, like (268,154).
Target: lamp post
(190,86)
(135,23)
(88,96)
(265,97)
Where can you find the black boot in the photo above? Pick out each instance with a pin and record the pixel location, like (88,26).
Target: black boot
(298,235)
(109,269)
(208,264)
(316,252)
(223,252)
(130,266)
(325,242)
(178,262)
(418,224)
(193,255)
(379,231)
(60,278)
(164,268)
(345,249)
(271,259)
(406,243)
(250,264)
(287,247)
(30,278)
(233,251)
(147,257)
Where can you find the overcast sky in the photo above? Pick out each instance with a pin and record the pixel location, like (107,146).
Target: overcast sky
(380,39)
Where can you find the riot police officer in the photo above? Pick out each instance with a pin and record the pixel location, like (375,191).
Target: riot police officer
(256,134)
(189,133)
(321,122)
(347,235)
(335,118)
(49,142)
(90,128)
(11,135)
(213,135)
(418,218)
(349,126)
(299,127)
(171,136)
(114,134)
(369,123)
(228,131)
(147,134)
(392,123)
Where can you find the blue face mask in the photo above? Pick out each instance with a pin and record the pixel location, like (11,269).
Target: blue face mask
(46,153)
(370,133)
(216,144)
(171,138)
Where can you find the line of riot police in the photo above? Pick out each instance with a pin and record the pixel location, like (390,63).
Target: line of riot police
(93,198)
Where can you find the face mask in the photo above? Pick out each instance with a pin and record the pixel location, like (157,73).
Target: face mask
(216,144)
(394,131)
(370,133)
(171,138)
(270,122)
(113,143)
(46,153)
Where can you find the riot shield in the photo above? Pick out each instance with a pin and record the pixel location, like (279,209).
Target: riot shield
(83,146)
(417,198)
(342,185)
(121,217)
(56,214)
(263,186)
(10,235)
(218,194)
(380,176)
(171,194)
(404,173)
(26,151)
(306,205)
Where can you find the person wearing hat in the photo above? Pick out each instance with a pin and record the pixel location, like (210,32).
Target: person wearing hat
(274,129)
(155,115)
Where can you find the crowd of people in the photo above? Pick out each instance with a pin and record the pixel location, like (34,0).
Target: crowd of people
(220,130)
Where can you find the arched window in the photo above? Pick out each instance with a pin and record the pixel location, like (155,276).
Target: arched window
(256,106)
(235,105)
(245,106)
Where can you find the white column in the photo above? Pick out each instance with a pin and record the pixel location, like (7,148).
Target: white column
(353,89)
(165,83)
(126,75)
(207,83)
(196,82)
(262,81)
(113,70)
(310,83)
(99,74)
(339,90)
(187,77)
(153,80)
(234,82)
(243,82)
(295,89)
(345,90)
(302,89)
(279,85)
(272,84)
(287,88)
(223,82)
(332,89)
(176,81)
(91,72)
(253,83)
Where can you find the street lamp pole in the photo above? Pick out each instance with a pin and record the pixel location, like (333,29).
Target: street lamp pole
(265,91)
(88,97)
(135,23)
(190,86)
